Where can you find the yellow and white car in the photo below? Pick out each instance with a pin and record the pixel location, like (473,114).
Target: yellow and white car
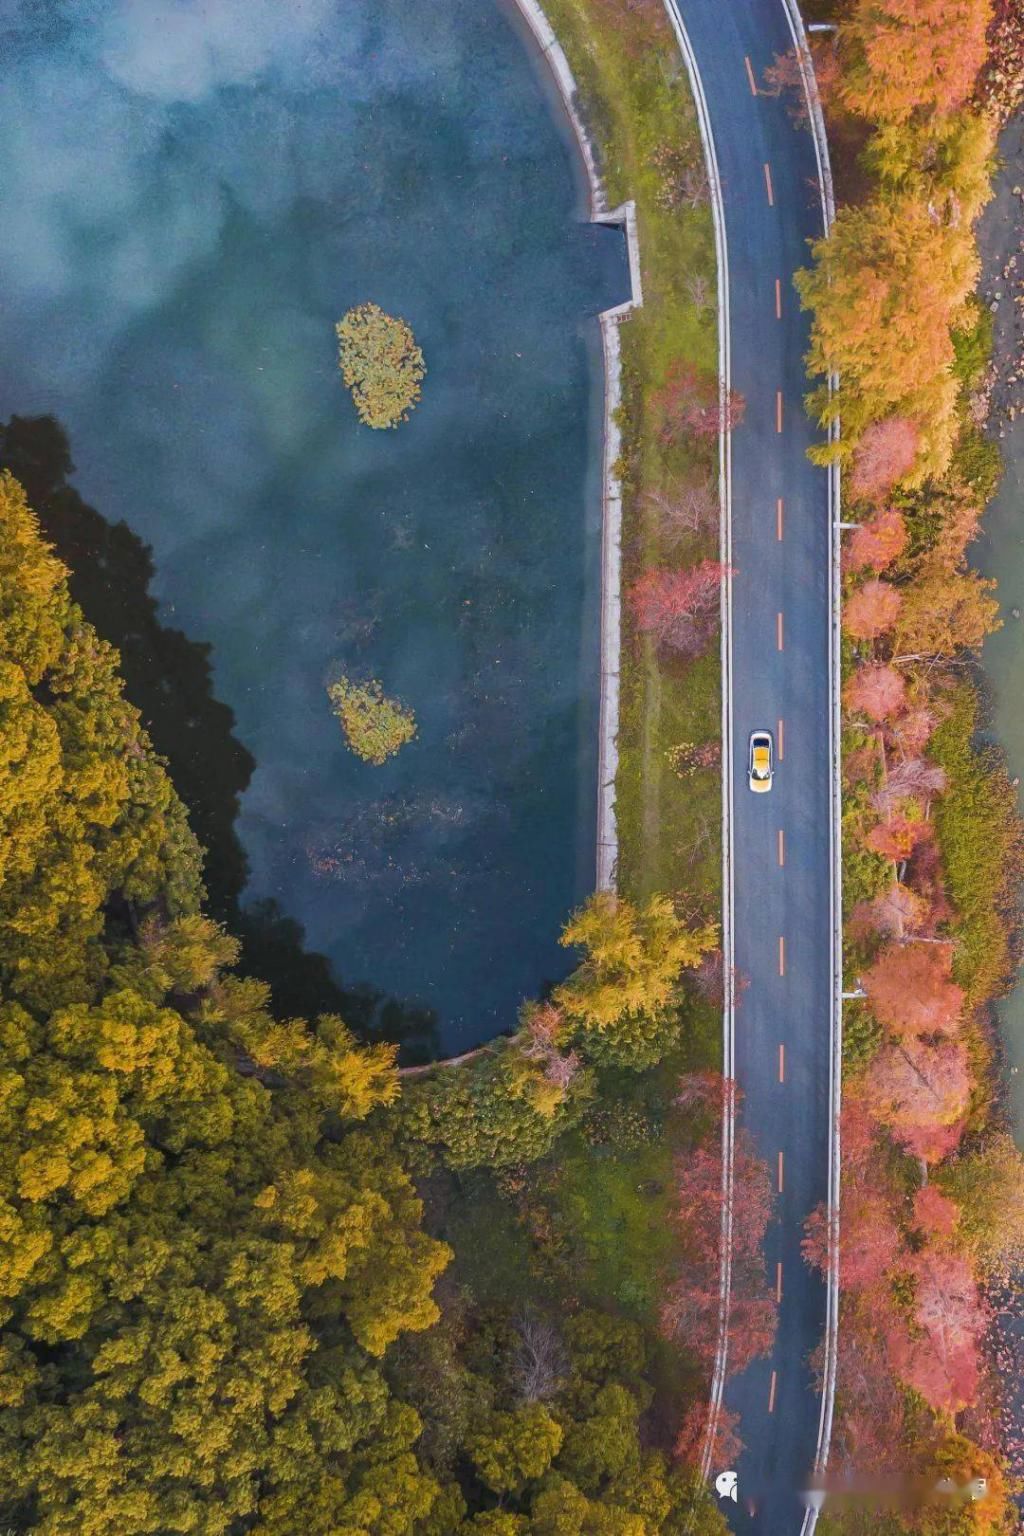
(761,768)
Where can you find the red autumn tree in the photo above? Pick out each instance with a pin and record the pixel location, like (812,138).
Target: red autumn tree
(709,978)
(935,1214)
(871,610)
(885,454)
(924,872)
(704,1090)
(906,57)
(942,1360)
(691,404)
(870,1243)
(752,1319)
(679,609)
(877,691)
(870,1433)
(920,1092)
(877,542)
(690,1310)
(911,990)
(858,1135)
(726,1445)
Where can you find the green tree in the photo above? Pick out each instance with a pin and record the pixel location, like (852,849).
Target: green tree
(987,1182)
(375,726)
(493,1112)
(381,364)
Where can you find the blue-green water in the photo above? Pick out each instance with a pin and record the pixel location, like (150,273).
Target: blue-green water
(192,195)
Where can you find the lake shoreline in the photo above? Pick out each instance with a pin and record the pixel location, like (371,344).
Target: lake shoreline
(553,55)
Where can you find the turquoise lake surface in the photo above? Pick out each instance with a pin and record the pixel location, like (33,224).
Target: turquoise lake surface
(193,195)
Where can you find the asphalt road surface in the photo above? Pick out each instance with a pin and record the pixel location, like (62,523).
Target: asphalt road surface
(780,670)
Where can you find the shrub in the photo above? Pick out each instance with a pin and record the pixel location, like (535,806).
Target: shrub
(982,845)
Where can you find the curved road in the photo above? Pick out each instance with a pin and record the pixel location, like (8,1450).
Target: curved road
(780,626)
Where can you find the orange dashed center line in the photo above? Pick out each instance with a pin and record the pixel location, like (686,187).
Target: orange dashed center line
(771,1394)
(778,631)
(778,519)
(782,1062)
(782,742)
(782,847)
(778,298)
(750,76)
(778,1281)
(780,1173)
(782,955)
(778,410)
(768,184)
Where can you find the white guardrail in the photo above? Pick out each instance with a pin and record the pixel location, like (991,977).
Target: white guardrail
(817,122)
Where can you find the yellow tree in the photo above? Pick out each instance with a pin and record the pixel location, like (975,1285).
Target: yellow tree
(888,284)
(620,995)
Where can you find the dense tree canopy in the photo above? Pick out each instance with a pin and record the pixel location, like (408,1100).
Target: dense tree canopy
(906,57)
(203,1253)
(888,284)
(88,818)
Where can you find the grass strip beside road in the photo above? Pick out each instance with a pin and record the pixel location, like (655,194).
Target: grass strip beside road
(635,100)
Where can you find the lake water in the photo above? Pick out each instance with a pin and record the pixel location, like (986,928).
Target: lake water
(193,195)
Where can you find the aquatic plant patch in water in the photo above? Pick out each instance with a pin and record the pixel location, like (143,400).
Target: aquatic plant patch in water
(381,364)
(375,726)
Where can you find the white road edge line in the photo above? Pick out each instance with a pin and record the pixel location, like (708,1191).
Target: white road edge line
(725,555)
(828,212)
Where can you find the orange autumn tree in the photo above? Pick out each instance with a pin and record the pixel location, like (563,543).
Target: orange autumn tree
(911,990)
(872,610)
(887,286)
(905,58)
(877,542)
